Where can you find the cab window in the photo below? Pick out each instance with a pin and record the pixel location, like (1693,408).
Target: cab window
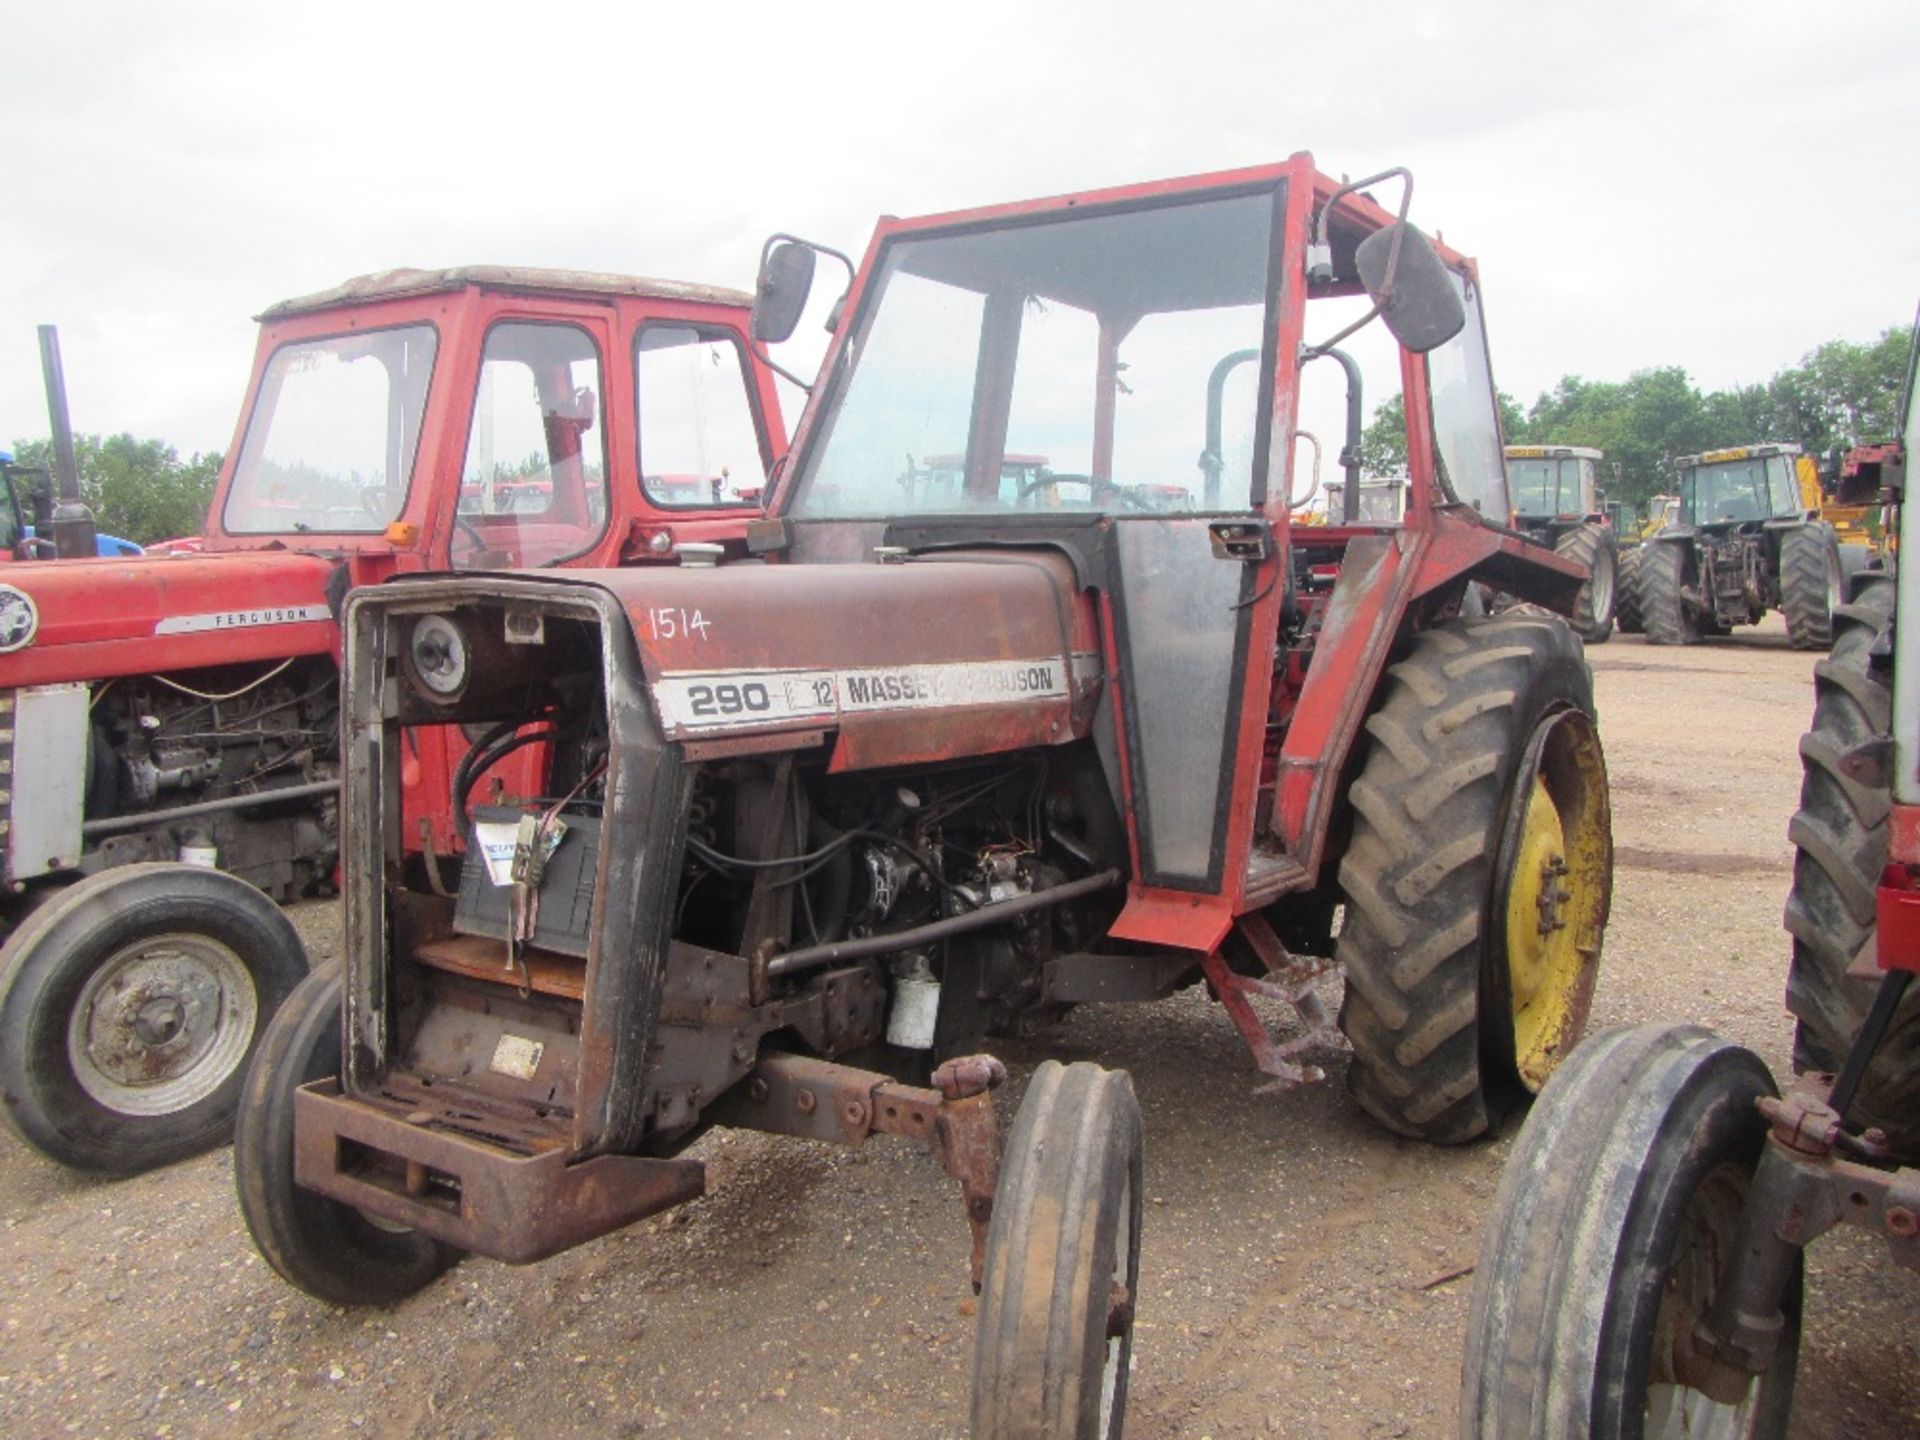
(699,444)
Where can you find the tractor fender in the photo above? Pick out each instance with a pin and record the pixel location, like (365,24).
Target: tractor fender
(1674,535)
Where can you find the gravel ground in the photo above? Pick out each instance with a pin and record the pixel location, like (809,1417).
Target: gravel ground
(1302,1272)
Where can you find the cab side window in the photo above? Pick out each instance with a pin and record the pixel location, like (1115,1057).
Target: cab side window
(699,443)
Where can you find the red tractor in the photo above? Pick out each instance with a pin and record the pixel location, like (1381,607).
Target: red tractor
(186,708)
(936,763)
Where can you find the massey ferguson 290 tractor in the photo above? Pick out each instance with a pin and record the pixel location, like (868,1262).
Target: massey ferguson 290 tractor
(1641,1272)
(186,708)
(934,764)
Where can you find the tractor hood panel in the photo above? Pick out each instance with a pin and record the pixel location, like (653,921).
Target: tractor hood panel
(903,662)
(93,619)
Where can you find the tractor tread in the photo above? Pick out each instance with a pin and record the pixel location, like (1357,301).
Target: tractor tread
(1417,876)
(1840,837)
(1593,546)
(1663,609)
(1809,557)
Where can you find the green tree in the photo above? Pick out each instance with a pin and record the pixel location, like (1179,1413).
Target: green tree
(1842,394)
(139,489)
(1383,444)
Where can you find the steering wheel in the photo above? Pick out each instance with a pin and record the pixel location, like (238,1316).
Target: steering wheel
(1099,492)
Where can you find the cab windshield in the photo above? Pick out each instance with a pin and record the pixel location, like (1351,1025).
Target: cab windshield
(331,440)
(1054,365)
(1737,490)
(1549,486)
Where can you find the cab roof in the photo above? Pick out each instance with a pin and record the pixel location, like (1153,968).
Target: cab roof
(1552,452)
(1734,452)
(399,284)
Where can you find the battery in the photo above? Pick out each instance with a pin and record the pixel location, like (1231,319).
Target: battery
(566,889)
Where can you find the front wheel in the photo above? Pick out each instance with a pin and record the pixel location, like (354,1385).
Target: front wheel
(129,1007)
(328,1249)
(1616,1213)
(1063,1263)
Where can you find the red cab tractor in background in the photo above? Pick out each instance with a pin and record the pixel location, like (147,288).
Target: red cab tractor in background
(936,762)
(186,708)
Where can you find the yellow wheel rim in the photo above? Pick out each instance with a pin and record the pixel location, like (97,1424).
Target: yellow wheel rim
(1557,900)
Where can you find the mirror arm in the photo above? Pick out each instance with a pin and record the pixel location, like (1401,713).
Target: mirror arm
(760,353)
(1320,249)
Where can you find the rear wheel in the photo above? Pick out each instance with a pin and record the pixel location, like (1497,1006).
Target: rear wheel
(130,1004)
(1626,605)
(1616,1213)
(1812,585)
(1478,878)
(1594,547)
(328,1249)
(1663,608)
(1839,835)
(1063,1263)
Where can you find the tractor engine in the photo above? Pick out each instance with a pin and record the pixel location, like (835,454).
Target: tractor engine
(165,752)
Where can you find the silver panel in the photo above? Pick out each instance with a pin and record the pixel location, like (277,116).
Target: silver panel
(46,784)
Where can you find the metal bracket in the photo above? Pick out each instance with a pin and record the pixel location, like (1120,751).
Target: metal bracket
(1288,979)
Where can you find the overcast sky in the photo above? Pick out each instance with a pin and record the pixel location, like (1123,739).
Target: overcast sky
(1706,183)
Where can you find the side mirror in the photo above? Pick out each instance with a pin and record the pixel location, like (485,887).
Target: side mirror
(1418,297)
(780,293)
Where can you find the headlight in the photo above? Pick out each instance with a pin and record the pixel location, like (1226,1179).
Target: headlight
(438,656)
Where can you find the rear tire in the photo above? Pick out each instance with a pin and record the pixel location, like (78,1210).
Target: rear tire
(1620,1201)
(327,1249)
(1484,771)
(1839,835)
(1063,1263)
(130,1004)
(1812,585)
(1626,607)
(1593,609)
(1669,620)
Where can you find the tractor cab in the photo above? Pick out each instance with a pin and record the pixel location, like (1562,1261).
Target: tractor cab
(1740,485)
(1382,502)
(1119,334)
(1554,482)
(484,417)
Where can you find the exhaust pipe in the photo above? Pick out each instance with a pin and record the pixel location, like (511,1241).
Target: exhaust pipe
(73,529)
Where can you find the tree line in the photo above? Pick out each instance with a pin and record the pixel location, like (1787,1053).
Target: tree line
(1841,394)
(140,490)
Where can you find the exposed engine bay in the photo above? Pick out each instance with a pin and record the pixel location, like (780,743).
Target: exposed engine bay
(895,917)
(185,766)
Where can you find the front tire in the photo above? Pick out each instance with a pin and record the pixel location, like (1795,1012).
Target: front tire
(1478,877)
(1812,585)
(327,1249)
(1593,608)
(130,1005)
(1616,1210)
(1839,835)
(1063,1263)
